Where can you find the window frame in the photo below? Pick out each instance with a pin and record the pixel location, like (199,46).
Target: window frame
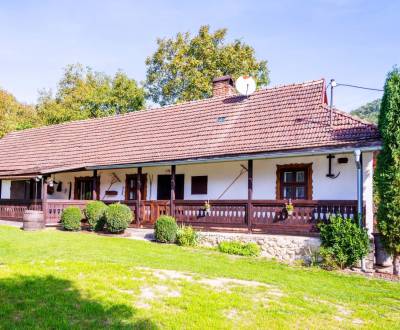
(308,183)
(199,185)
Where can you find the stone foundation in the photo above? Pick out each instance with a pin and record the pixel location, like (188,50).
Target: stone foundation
(281,247)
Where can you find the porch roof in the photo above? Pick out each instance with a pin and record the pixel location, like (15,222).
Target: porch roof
(283,119)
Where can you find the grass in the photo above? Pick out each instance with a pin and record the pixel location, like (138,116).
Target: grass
(60,280)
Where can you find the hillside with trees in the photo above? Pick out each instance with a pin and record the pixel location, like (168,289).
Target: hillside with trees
(369,111)
(181,69)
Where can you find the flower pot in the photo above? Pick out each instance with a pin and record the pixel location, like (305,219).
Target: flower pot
(289,212)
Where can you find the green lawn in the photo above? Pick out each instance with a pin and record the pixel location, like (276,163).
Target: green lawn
(59,280)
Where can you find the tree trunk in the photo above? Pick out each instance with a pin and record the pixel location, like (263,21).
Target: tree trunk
(396,264)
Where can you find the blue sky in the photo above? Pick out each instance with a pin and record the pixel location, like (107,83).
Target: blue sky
(355,42)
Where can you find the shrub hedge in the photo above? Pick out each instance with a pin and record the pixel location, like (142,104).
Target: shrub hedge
(118,217)
(95,214)
(71,218)
(165,229)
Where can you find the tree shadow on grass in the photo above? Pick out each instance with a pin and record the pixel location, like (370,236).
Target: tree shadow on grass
(34,302)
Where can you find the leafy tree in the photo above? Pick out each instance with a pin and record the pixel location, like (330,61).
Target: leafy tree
(182,68)
(369,111)
(15,115)
(388,168)
(83,93)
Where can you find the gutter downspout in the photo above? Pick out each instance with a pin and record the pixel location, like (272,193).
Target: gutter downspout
(358,159)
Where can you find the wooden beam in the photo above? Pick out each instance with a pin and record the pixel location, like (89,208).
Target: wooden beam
(94,190)
(138,194)
(44,198)
(172,200)
(249,193)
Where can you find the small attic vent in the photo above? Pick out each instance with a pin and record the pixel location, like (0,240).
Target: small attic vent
(221,119)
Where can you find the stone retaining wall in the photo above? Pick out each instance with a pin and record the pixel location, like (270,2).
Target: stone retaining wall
(281,247)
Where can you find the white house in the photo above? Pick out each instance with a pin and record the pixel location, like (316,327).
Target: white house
(247,156)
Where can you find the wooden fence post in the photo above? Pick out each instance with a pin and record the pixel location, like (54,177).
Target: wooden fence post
(94,186)
(172,200)
(249,193)
(44,199)
(138,194)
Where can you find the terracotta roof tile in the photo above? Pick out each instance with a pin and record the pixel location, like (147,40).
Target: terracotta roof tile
(276,119)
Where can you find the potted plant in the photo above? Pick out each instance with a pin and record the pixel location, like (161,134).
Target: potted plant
(289,207)
(207,208)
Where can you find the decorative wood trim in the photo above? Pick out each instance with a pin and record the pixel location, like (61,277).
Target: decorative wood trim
(307,166)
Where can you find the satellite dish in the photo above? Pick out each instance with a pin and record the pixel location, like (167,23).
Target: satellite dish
(245,85)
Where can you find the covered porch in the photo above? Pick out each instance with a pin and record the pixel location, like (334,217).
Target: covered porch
(244,195)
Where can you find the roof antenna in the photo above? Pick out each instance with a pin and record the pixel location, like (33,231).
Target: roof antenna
(333,84)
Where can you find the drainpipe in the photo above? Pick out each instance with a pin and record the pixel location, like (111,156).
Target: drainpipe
(358,159)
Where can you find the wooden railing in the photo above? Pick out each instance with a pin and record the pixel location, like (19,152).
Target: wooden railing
(54,207)
(264,215)
(271,215)
(222,213)
(13,209)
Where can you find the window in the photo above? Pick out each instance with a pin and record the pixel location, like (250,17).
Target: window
(84,188)
(25,189)
(199,185)
(130,187)
(294,181)
(164,186)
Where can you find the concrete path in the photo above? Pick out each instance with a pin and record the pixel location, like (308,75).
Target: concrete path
(141,234)
(11,223)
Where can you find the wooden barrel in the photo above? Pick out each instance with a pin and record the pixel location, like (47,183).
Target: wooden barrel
(33,220)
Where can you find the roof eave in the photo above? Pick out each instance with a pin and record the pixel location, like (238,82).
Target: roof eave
(265,155)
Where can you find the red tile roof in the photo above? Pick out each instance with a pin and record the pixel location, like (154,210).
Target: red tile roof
(283,118)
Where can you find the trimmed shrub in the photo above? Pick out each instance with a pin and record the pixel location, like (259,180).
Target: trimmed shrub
(95,214)
(118,217)
(186,236)
(165,229)
(343,243)
(71,218)
(239,248)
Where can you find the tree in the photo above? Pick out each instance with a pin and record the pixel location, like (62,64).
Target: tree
(388,168)
(83,93)
(182,68)
(15,115)
(369,111)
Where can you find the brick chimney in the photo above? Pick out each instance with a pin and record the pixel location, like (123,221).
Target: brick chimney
(223,86)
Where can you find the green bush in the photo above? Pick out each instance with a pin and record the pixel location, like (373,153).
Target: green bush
(118,217)
(165,229)
(239,248)
(96,215)
(343,242)
(186,236)
(71,218)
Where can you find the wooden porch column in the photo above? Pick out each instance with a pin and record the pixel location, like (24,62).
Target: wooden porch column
(172,201)
(44,198)
(138,194)
(94,191)
(249,214)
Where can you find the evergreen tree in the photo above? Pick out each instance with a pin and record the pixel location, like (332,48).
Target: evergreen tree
(388,168)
